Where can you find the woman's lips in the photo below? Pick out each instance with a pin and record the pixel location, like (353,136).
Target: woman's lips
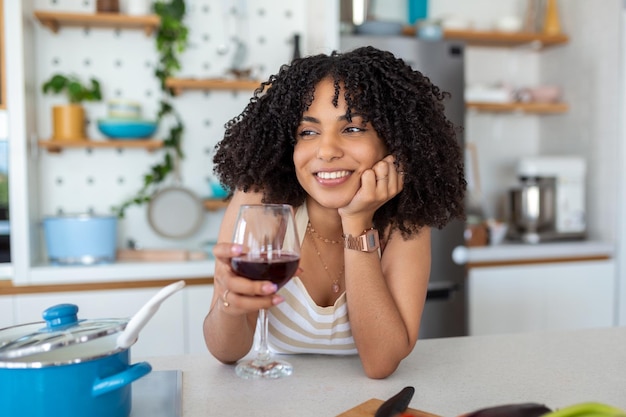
(332,175)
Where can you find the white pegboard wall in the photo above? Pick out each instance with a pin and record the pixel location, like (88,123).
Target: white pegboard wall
(79,180)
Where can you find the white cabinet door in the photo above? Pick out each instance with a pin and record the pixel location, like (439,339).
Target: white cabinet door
(197,303)
(538,297)
(163,335)
(6,312)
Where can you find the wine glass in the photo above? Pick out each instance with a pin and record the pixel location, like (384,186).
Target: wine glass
(271,251)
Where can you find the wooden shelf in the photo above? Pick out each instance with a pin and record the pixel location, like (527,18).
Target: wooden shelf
(54,21)
(56,146)
(493,38)
(537,108)
(212,204)
(177,85)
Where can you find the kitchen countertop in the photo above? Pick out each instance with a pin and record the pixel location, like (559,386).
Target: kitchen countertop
(509,253)
(451,376)
(514,251)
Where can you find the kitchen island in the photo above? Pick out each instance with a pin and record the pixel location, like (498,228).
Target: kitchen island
(451,376)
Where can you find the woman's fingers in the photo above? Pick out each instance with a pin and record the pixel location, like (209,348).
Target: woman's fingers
(237,294)
(388,179)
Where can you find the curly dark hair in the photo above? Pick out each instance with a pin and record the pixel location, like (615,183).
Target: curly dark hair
(405,109)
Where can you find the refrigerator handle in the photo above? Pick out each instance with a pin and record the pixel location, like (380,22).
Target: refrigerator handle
(443,292)
(460,255)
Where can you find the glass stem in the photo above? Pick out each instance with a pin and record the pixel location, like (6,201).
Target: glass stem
(263,351)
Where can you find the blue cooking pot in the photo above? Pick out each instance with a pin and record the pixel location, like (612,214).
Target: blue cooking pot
(66,367)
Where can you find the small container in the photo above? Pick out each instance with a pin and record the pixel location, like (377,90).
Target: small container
(124,109)
(107,6)
(80,239)
(217,190)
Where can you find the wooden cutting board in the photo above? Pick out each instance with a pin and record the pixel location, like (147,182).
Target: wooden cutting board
(155,255)
(369,407)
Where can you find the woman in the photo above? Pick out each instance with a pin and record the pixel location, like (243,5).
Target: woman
(358,143)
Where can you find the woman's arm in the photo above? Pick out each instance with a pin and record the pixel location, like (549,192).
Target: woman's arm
(386,294)
(229,329)
(386,300)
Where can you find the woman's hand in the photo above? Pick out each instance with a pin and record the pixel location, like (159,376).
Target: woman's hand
(378,185)
(239,295)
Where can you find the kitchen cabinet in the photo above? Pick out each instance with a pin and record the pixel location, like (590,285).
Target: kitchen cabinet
(165,333)
(197,303)
(543,296)
(6,311)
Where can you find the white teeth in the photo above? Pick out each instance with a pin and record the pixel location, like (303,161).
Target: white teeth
(333,175)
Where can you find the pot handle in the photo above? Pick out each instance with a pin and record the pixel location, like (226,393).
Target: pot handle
(117,381)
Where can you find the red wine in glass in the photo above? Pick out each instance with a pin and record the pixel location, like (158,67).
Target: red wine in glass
(278,268)
(269,237)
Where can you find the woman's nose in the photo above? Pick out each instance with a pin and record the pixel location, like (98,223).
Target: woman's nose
(329,147)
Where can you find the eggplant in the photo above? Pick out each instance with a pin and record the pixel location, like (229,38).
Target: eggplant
(511,410)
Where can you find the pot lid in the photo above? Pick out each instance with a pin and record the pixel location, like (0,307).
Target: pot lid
(60,329)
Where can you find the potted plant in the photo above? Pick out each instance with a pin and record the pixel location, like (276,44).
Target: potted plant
(69,119)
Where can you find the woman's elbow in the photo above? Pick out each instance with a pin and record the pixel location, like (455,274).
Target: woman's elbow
(380,369)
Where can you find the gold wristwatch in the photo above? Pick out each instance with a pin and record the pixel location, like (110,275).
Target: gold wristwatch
(367,242)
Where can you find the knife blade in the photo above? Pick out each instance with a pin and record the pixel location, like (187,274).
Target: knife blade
(396,404)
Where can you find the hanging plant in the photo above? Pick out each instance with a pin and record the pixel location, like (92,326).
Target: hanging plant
(171,41)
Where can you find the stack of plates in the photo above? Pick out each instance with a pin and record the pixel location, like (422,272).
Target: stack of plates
(125,122)
(127,128)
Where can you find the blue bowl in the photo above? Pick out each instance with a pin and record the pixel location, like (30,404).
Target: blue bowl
(126,129)
(218,191)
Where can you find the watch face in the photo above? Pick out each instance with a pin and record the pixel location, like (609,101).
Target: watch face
(370,237)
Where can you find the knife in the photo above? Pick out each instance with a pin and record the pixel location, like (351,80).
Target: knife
(396,404)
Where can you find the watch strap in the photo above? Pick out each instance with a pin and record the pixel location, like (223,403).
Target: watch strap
(368,241)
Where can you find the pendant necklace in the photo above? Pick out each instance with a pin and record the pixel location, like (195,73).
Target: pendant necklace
(335,286)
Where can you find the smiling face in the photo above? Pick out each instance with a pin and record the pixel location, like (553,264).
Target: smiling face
(332,152)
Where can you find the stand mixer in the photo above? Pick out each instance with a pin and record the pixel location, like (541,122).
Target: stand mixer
(549,204)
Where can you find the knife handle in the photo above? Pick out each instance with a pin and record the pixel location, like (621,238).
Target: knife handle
(396,404)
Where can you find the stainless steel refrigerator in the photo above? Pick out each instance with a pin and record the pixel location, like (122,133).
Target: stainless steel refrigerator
(442,61)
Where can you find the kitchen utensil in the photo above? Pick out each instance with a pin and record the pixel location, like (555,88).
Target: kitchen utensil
(80,239)
(396,404)
(127,128)
(533,204)
(139,320)
(66,367)
(369,407)
(174,211)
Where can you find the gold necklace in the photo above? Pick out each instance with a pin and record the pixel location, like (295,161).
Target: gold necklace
(335,286)
(320,237)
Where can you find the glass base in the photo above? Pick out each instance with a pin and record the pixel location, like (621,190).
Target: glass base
(272,369)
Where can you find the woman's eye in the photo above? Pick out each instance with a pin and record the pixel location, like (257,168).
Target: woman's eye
(355,129)
(305,133)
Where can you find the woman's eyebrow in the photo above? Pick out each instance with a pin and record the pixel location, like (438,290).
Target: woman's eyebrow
(310,119)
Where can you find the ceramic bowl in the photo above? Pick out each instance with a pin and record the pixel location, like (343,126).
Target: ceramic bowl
(379,28)
(127,129)
(217,190)
(124,109)
(546,93)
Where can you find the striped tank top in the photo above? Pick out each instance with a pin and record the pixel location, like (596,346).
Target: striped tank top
(299,325)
